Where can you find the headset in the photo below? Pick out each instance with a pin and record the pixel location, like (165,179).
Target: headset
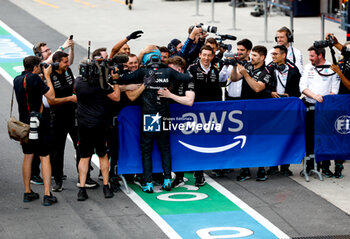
(172,49)
(281,67)
(290,36)
(36,50)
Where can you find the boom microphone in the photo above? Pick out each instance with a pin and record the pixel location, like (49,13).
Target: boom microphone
(229,37)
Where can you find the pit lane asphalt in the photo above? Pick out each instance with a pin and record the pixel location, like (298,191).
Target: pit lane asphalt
(293,208)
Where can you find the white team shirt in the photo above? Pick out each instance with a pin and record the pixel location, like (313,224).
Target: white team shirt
(234,89)
(318,84)
(281,79)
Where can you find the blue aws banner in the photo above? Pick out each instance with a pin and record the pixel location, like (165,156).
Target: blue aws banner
(218,135)
(332,128)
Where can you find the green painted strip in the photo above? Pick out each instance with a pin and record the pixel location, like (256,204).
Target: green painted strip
(3,32)
(13,69)
(216,202)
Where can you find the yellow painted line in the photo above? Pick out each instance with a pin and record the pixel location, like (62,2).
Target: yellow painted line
(85,3)
(119,1)
(46,3)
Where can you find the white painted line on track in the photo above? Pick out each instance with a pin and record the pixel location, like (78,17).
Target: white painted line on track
(6,75)
(161,223)
(15,34)
(254,214)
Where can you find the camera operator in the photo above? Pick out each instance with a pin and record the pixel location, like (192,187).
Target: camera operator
(63,111)
(127,93)
(122,46)
(182,93)
(255,81)
(207,86)
(234,89)
(29,89)
(198,41)
(177,48)
(284,37)
(344,74)
(285,83)
(93,97)
(317,80)
(155,76)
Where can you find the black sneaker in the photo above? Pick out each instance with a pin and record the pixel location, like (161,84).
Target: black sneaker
(107,191)
(178,182)
(272,170)
(261,175)
(244,175)
(36,179)
(115,185)
(286,172)
(130,7)
(90,184)
(28,197)
(49,200)
(218,173)
(327,173)
(58,187)
(200,181)
(338,169)
(82,194)
(64,177)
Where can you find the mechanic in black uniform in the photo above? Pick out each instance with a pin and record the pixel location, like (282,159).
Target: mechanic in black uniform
(182,93)
(155,76)
(206,86)
(63,110)
(255,80)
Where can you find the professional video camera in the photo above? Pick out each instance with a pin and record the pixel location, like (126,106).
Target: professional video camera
(232,59)
(207,28)
(99,70)
(222,38)
(329,42)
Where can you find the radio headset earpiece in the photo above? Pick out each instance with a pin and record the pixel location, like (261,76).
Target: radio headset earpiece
(36,50)
(290,36)
(172,46)
(172,49)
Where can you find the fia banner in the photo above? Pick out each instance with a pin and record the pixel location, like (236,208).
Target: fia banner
(332,128)
(218,135)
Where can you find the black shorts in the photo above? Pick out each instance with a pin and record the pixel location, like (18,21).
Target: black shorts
(42,146)
(92,140)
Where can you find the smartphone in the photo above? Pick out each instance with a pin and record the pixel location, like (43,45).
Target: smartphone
(71,37)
